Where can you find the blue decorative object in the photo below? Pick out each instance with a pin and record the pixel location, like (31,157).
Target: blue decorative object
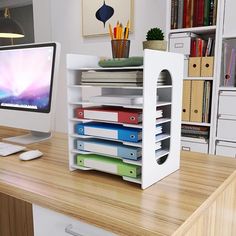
(104,13)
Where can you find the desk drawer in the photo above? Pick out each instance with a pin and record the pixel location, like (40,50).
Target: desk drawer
(194,146)
(50,223)
(227,103)
(226,129)
(226,149)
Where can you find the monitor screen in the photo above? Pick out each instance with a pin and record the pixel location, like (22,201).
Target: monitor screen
(26,77)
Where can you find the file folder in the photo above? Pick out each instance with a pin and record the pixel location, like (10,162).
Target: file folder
(197,101)
(115,114)
(108,164)
(121,115)
(186,100)
(111,131)
(110,148)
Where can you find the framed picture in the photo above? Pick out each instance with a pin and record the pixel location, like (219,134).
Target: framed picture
(98,14)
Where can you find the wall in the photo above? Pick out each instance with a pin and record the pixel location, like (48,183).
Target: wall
(24,16)
(60,20)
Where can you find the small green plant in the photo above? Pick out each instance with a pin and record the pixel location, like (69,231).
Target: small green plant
(155,34)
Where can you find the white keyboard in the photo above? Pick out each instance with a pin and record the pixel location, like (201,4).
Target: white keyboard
(8,149)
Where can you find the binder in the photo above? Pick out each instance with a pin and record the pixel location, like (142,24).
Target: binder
(197,100)
(115,114)
(109,165)
(194,67)
(186,100)
(207,67)
(111,131)
(121,115)
(110,148)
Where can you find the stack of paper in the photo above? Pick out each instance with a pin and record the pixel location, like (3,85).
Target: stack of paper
(121,78)
(117,99)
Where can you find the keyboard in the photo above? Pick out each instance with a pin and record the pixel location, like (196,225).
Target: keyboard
(8,149)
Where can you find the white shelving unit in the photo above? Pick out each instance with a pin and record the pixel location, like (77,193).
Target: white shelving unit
(215,30)
(154,165)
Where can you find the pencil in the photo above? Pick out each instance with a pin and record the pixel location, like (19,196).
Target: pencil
(127,30)
(110,31)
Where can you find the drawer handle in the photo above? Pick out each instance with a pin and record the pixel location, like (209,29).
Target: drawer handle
(186,148)
(69,230)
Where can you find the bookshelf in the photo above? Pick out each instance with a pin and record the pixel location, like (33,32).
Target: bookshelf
(204,32)
(154,164)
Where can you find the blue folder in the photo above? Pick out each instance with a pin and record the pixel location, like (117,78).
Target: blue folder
(110,148)
(111,131)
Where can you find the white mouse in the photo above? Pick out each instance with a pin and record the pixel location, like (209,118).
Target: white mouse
(30,155)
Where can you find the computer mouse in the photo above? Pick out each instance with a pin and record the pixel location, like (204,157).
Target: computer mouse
(30,155)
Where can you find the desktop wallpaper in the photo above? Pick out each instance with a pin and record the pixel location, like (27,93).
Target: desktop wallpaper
(25,78)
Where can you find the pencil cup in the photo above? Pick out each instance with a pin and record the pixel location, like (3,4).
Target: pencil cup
(120,48)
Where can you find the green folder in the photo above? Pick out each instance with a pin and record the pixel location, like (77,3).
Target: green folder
(108,164)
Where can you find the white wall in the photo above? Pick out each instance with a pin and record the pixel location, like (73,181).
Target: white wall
(60,20)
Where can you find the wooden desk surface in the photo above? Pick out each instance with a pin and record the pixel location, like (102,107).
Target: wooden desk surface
(105,200)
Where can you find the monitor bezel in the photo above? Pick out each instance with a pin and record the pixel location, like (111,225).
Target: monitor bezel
(36,45)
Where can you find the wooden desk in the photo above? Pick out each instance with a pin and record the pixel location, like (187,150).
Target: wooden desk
(200,197)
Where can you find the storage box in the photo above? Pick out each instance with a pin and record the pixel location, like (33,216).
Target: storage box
(207,67)
(181,42)
(226,129)
(226,101)
(194,145)
(226,149)
(194,67)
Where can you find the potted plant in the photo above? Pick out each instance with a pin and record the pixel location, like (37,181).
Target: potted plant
(155,40)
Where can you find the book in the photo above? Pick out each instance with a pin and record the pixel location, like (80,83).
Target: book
(117,99)
(180,13)
(108,164)
(114,114)
(110,148)
(206,18)
(200,11)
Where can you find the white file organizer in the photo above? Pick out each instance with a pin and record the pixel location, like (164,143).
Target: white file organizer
(170,100)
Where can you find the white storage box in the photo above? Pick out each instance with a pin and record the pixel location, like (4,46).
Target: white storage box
(227,103)
(226,128)
(181,43)
(226,149)
(194,145)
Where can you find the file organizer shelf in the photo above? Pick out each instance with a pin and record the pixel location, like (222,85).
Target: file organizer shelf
(154,164)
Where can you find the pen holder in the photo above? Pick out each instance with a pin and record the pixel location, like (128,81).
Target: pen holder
(120,48)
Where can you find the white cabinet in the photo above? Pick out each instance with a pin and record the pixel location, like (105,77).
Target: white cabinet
(226,149)
(51,223)
(229,18)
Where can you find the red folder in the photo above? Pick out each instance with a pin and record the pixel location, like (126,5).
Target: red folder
(115,114)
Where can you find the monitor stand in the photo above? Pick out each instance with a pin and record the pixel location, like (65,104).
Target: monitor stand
(32,137)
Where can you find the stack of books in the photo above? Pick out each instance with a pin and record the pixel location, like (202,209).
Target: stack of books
(201,47)
(193,13)
(192,131)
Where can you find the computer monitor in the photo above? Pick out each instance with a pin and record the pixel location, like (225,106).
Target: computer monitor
(28,88)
